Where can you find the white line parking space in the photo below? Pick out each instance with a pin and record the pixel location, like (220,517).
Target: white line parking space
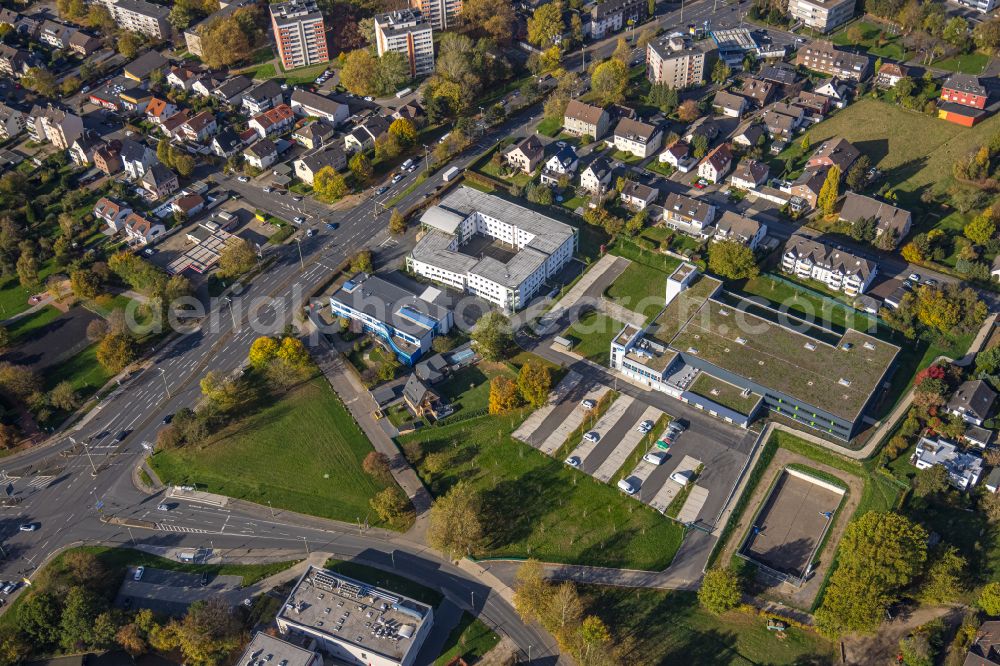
(572,422)
(603,425)
(692,505)
(644,469)
(670,488)
(530,425)
(625,447)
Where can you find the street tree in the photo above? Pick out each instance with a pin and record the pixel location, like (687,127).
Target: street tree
(545,27)
(397,223)
(492,335)
(329,184)
(455,526)
(237,258)
(390,504)
(263,350)
(362,262)
(361,166)
(531,591)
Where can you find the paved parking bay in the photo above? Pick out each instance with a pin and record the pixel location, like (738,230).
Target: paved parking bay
(606,428)
(625,446)
(670,488)
(562,421)
(537,417)
(171,592)
(692,505)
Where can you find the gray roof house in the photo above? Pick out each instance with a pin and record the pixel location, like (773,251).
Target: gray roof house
(972,401)
(888,218)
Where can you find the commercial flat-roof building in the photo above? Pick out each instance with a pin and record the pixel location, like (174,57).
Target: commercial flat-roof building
(490,247)
(264,650)
(354,621)
(821,15)
(406,321)
(299,32)
(406,33)
(813,375)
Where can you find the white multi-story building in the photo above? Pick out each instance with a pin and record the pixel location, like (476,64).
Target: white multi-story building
(299,32)
(441,14)
(11,122)
(491,248)
(672,61)
(140,16)
(353,621)
(837,269)
(822,15)
(406,33)
(964,469)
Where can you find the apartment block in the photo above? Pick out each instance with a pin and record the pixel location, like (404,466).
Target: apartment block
(406,33)
(674,62)
(613,15)
(822,56)
(441,14)
(837,269)
(822,15)
(141,16)
(300,33)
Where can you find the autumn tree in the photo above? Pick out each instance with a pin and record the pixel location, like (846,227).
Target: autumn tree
(721,71)
(263,350)
(209,632)
(224,42)
(732,259)
(688,111)
(503,395)
(455,527)
(361,262)
(534,382)
(989,599)
(376,464)
(85,283)
(494,17)
(531,591)
(721,590)
(982,228)
(390,504)
(63,396)
(930,481)
(608,81)
(41,80)
(492,335)
(545,27)
(403,129)
(237,258)
(943,580)
(116,351)
(397,223)
(360,166)
(329,184)
(128,44)
(830,192)
(19,380)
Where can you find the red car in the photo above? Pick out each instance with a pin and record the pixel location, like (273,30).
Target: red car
(701,183)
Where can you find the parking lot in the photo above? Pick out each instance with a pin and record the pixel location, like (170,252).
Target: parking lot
(171,592)
(618,438)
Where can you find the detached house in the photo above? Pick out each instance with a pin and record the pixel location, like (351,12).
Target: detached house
(55,34)
(757,90)
(636,137)
(11,121)
(888,218)
(182,77)
(261,154)
(112,212)
(363,136)
(107,158)
(159,181)
(13,62)
(584,119)
(141,231)
(835,91)
(83,44)
(716,164)
(226,143)
(963,100)
(273,121)
(158,110)
(561,165)
(525,155)
(305,103)
(972,401)
(964,469)
(735,227)
(136,158)
(889,74)
(781,126)
(837,269)
(838,152)
(749,174)
(677,156)
(309,164)
(231,91)
(259,99)
(729,105)
(691,216)
(750,135)
(597,176)
(314,134)
(808,185)
(200,127)
(637,196)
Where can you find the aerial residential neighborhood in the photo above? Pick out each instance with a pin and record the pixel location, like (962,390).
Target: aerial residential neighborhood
(464,332)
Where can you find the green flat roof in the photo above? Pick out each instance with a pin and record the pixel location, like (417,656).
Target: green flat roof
(726,395)
(677,312)
(778,357)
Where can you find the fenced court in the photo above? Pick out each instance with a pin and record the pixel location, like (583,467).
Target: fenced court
(791,524)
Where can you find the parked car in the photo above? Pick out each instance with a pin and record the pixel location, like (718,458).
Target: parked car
(138,572)
(681,477)
(267,190)
(592,436)
(701,183)
(574,461)
(310,233)
(914,277)
(655,457)
(587,403)
(163,507)
(243,179)
(298,219)
(931,282)
(626,486)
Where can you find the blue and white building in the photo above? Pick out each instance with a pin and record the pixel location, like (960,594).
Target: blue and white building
(407,322)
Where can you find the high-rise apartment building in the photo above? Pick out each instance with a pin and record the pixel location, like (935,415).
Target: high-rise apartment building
(673,62)
(406,33)
(441,14)
(300,33)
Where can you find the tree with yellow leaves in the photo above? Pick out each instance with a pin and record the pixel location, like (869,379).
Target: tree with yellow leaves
(503,395)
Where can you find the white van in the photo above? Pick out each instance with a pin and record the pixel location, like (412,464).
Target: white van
(407,164)
(625,486)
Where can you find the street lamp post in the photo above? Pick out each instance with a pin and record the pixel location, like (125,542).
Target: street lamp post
(86,450)
(302,264)
(163,376)
(229,300)
(306,543)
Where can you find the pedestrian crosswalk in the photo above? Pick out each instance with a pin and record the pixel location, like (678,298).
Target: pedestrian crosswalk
(180,528)
(40,481)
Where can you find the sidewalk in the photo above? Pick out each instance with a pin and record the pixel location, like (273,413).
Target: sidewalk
(361,405)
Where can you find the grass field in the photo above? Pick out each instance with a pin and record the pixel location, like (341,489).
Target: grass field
(518,178)
(470,640)
(302,453)
(14,297)
(640,288)
(657,627)
(549,127)
(533,505)
(885,133)
(968,63)
(29,323)
(892,48)
(81,370)
(592,336)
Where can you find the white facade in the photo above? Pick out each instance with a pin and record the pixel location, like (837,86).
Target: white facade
(833,276)
(405,33)
(822,15)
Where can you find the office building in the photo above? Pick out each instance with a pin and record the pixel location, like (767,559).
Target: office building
(707,348)
(406,33)
(489,247)
(300,33)
(674,62)
(353,621)
(821,15)
(441,14)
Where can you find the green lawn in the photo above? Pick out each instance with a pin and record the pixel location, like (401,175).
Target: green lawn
(549,126)
(468,390)
(661,168)
(386,580)
(519,178)
(624,247)
(640,288)
(14,297)
(30,323)
(592,336)
(81,370)
(890,48)
(534,505)
(303,453)
(671,628)
(969,63)
(470,640)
